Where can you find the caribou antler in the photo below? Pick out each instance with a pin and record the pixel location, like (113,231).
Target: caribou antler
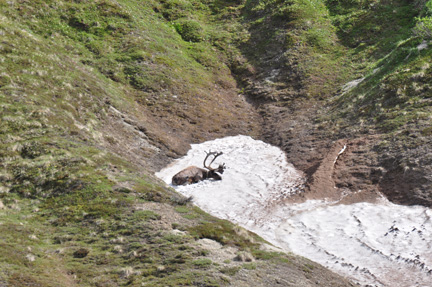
(193,174)
(215,155)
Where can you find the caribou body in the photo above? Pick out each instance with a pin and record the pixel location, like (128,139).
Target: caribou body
(194,174)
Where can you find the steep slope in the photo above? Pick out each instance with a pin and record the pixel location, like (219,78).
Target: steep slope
(94,97)
(392,100)
(97,95)
(328,74)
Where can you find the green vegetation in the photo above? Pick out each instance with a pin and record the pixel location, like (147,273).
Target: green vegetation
(231,271)
(80,79)
(391,95)
(249,266)
(223,232)
(202,263)
(307,268)
(423,26)
(189,30)
(299,43)
(68,199)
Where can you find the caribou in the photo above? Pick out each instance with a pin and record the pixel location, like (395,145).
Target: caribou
(194,174)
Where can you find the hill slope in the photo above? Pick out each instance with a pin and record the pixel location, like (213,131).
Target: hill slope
(94,97)
(97,95)
(353,73)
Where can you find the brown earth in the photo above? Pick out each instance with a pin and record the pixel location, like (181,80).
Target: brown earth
(152,135)
(362,172)
(152,138)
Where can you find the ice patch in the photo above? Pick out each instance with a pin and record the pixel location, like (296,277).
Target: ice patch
(380,244)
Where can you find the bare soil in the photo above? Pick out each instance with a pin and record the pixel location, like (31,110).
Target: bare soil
(152,135)
(362,172)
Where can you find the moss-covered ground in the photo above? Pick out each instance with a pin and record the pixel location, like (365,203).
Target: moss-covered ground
(171,71)
(70,194)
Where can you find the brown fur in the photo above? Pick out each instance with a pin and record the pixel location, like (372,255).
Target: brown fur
(193,174)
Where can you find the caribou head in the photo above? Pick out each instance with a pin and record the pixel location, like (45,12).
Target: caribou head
(193,174)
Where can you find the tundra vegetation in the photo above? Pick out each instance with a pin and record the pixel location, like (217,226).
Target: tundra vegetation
(97,95)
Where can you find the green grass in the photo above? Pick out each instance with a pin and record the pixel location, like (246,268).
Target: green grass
(202,263)
(325,44)
(64,65)
(223,232)
(41,245)
(382,45)
(230,270)
(249,266)
(304,39)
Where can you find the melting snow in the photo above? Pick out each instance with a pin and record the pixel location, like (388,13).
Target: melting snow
(380,244)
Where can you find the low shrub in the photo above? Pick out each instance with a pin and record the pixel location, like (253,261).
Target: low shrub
(423,28)
(189,30)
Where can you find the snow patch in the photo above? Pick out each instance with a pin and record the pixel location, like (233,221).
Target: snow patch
(248,182)
(379,244)
(340,152)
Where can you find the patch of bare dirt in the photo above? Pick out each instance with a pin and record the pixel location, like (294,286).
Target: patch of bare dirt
(409,186)
(338,168)
(151,133)
(347,172)
(300,272)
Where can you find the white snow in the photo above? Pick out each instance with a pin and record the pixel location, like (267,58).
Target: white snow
(340,152)
(380,244)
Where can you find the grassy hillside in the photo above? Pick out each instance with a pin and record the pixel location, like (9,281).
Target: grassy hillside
(97,95)
(94,97)
(355,71)
(392,98)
